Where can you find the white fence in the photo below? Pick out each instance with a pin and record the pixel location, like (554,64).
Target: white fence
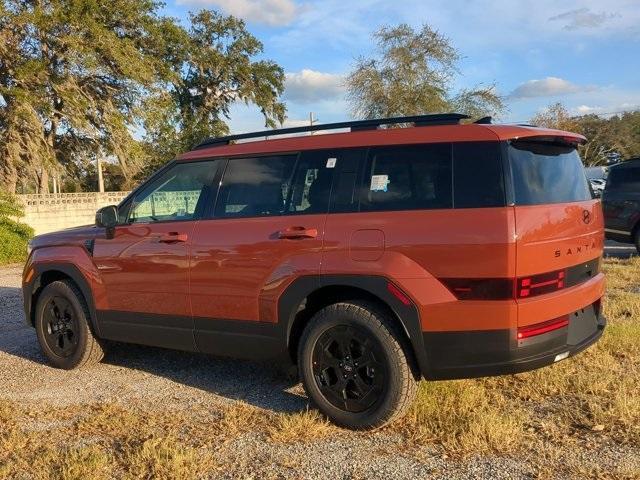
(56,211)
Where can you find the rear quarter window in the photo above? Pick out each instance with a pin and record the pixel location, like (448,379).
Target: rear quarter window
(408,178)
(477,175)
(546,173)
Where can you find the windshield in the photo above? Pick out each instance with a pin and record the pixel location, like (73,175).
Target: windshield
(547,173)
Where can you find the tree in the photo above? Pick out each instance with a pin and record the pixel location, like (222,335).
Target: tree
(79,77)
(72,72)
(413,74)
(211,67)
(608,139)
(14,235)
(556,116)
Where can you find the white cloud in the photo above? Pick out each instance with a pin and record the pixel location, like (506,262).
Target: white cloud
(309,86)
(269,12)
(586,109)
(548,87)
(583,18)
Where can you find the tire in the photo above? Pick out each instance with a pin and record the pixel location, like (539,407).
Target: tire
(636,239)
(354,366)
(62,327)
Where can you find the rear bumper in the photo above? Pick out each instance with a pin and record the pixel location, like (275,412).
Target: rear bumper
(454,355)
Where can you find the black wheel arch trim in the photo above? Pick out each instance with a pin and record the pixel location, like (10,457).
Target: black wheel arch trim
(68,270)
(293,297)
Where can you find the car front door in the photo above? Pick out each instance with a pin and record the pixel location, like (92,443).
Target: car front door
(144,263)
(267,230)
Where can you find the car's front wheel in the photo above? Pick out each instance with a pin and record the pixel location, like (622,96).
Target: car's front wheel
(62,327)
(354,366)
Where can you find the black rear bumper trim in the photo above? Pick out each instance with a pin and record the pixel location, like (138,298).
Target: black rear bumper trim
(456,355)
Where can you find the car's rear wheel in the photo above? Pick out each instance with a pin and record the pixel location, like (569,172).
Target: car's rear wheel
(62,327)
(354,366)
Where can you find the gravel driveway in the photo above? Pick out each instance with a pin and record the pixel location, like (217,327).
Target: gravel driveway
(178,380)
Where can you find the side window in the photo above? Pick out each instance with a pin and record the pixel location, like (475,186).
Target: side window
(408,178)
(177,194)
(254,187)
(477,175)
(624,179)
(312,183)
(344,193)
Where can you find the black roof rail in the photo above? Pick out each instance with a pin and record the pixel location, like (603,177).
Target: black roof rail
(356,125)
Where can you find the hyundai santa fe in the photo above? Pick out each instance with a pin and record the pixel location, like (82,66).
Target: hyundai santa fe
(370,258)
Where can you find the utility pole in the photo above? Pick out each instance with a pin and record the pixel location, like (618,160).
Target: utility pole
(312,121)
(100,177)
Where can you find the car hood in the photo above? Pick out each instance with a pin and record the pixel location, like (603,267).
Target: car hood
(69,236)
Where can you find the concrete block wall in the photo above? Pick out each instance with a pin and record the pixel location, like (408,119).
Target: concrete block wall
(50,212)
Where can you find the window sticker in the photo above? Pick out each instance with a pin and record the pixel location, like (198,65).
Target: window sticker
(331,162)
(379,183)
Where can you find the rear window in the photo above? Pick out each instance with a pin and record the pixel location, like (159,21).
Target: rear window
(547,173)
(625,179)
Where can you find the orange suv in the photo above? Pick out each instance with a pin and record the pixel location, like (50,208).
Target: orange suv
(370,257)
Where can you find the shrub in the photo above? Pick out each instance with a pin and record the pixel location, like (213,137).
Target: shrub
(14,235)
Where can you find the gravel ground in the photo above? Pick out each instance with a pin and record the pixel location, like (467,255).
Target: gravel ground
(173,380)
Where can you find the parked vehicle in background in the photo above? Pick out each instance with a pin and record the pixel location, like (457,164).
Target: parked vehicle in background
(370,259)
(597,186)
(621,203)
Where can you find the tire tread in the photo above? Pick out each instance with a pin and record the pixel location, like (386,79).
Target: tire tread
(387,332)
(94,351)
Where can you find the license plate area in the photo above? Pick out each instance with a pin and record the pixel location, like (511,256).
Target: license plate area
(583,324)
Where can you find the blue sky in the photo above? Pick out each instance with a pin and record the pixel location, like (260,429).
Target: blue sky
(585,54)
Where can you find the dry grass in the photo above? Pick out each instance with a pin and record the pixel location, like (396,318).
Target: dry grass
(96,442)
(596,393)
(590,400)
(300,427)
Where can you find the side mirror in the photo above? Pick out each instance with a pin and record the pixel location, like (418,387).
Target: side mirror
(107,217)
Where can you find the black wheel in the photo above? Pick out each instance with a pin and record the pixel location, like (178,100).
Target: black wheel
(62,327)
(636,239)
(354,366)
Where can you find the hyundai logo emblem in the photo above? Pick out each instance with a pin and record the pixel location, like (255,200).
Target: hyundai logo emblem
(586,216)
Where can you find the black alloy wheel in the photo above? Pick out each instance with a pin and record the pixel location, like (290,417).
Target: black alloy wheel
(61,326)
(62,323)
(348,366)
(356,365)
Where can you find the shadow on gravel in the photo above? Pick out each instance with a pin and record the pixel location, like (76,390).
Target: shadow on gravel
(259,384)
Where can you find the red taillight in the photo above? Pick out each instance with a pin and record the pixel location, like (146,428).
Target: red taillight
(544,327)
(539,284)
(396,292)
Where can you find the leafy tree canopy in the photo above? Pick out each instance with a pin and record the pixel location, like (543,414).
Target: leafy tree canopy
(413,74)
(608,139)
(213,69)
(79,78)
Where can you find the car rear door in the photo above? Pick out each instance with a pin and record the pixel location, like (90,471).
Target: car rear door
(559,232)
(267,229)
